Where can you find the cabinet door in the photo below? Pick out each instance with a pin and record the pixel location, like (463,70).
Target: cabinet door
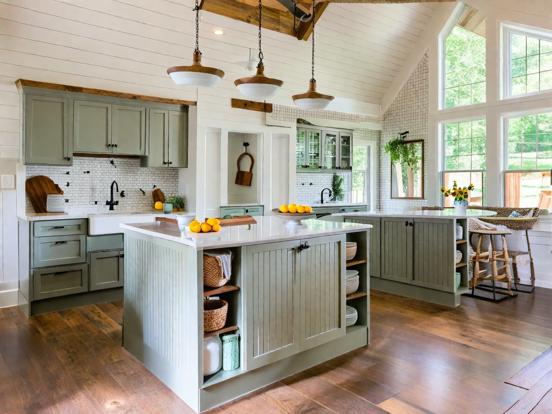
(396,249)
(128,130)
(321,269)
(271,303)
(345,148)
(301,148)
(314,148)
(52,282)
(433,256)
(47,135)
(106,270)
(375,243)
(330,150)
(178,139)
(92,127)
(158,132)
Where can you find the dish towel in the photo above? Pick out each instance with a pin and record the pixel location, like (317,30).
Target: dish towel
(225,258)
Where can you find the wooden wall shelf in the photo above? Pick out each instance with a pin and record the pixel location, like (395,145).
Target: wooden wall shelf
(227,329)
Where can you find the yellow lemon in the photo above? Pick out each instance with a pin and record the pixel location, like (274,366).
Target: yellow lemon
(212,221)
(301,209)
(292,208)
(158,205)
(206,228)
(283,208)
(195,227)
(308,209)
(194,223)
(216,227)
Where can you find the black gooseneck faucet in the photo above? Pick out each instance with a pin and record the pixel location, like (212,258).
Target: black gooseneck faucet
(112,203)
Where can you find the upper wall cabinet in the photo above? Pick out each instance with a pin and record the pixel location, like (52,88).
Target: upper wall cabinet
(167,138)
(103,128)
(319,148)
(47,129)
(59,122)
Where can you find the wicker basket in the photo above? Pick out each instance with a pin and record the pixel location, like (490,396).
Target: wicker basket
(213,275)
(214,314)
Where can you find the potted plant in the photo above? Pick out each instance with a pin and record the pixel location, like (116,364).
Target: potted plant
(461,196)
(405,159)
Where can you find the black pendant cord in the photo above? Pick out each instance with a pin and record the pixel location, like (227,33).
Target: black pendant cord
(196,9)
(261,56)
(313,31)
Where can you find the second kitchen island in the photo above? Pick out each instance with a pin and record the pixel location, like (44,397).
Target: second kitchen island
(287,298)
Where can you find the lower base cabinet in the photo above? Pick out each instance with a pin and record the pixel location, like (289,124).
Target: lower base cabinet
(295,297)
(106,269)
(57,281)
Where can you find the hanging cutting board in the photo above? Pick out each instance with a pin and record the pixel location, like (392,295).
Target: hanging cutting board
(37,189)
(245,177)
(157,195)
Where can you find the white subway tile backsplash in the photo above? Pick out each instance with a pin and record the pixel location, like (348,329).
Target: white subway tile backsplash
(309,186)
(86,184)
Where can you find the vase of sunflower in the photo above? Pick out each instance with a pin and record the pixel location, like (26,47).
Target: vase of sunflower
(461,196)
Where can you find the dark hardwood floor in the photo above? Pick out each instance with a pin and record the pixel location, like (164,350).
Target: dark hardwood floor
(423,359)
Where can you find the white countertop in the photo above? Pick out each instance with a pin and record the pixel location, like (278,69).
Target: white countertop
(438,214)
(84,214)
(339,205)
(268,229)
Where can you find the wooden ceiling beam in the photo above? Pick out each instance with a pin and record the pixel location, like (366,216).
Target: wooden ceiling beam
(305,28)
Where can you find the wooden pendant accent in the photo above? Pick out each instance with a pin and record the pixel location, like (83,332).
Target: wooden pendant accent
(259,78)
(312,94)
(101,92)
(252,105)
(197,67)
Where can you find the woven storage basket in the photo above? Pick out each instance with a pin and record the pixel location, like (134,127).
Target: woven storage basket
(214,314)
(212,272)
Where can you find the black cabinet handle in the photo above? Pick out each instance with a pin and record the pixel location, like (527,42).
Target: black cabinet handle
(303,246)
(58,227)
(170,162)
(67,158)
(59,242)
(406,223)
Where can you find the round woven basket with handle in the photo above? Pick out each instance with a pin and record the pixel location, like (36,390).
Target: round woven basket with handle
(213,275)
(214,314)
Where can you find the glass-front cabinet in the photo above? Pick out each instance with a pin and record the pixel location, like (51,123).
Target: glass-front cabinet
(323,148)
(345,146)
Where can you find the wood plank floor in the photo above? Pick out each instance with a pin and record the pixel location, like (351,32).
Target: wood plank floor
(423,359)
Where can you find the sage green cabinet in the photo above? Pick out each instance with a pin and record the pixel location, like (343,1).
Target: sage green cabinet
(59,227)
(128,130)
(92,127)
(47,129)
(57,281)
(241,211)
(59,250)
(167,138)
(106,269)
(294,297)
(396,249)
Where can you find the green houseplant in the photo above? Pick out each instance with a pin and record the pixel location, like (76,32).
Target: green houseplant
(337,188)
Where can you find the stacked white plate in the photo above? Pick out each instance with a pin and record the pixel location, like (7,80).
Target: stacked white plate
(353,281)
(351,316)
(55,203)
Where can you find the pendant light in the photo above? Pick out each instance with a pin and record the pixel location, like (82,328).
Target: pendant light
(196,74)
(312,99)
(258,86)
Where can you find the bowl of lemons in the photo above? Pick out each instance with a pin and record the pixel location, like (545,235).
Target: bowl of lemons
(210,225)
(294,212)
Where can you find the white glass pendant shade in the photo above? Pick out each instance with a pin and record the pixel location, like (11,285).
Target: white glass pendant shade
(258,86)
(312,99)
(196,74)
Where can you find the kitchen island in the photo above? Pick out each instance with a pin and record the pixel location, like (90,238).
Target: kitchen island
(413,253)
(286,298)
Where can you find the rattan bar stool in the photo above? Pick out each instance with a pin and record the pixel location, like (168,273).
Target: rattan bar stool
(490,265)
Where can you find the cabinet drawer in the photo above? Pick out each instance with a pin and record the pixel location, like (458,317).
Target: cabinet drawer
(103,243)
(254,211)
(232,211)
(106,269)
(59,281)
(59,227)
(55,251)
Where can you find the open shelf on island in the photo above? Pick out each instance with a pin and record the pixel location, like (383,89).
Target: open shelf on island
(461,241)
(461,264)
(219,291)
(224,330)
(353,328)
(356,295)
(351,263)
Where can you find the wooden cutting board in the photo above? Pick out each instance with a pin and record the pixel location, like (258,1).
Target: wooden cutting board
(157,195)
(37,189)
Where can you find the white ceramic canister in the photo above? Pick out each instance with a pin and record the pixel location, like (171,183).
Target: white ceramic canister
(212,355)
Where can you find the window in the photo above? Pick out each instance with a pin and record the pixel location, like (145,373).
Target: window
(528,161)
(529,63)
(464,68)
(360,174)
(464,157)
